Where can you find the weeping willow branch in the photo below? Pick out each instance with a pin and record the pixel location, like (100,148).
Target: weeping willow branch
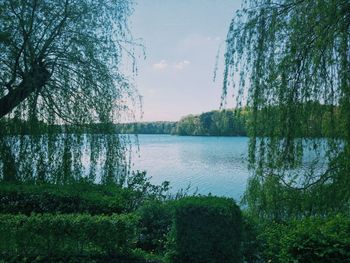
(59,80)
(292,59)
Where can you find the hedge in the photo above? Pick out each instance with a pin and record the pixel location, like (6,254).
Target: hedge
(155,223)
(75,198)
(50,236)
(313,239)
(206,230)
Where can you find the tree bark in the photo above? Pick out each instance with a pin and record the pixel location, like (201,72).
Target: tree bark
(9,169)
(33,81)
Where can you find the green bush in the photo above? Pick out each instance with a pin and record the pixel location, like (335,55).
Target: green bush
(155,223)
(143,190)
(75,198)
(270,235)
(49,237)
(206,230)
(250,243)
(313,239)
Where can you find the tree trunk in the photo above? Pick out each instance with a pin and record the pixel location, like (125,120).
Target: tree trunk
(32,81)
(9,170)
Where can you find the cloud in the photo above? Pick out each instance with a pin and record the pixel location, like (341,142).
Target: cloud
(160,65)
(163,64)
(182,64)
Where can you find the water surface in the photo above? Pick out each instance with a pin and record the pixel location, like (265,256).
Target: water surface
(215,165)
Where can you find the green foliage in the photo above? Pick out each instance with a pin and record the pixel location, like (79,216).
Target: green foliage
(61,60)
(206,230)
(61,237)
(155,222)
(80,197)
(73,214)
(75,198)
(141,190)
(158,127)
(273,200)
(141,185)
(216,123)
(60,65)
(312,239)
(62,158)
(251,246)
(292,61)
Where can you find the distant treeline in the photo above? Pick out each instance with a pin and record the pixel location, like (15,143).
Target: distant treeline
(158,127)
(314,118)
(215,123)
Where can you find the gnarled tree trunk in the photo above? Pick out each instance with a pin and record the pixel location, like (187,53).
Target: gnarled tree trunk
(33,81)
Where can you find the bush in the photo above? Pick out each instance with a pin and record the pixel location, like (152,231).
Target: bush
(270,236)
(49,237)
(206,230)
(250,243)
(155,223)
(143,190)
(75,198)
(311,240)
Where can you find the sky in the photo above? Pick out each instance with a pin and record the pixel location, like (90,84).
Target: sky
(182,39)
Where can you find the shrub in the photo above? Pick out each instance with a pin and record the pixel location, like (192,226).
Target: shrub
(75,198)
(270,235)
(206,230)
(250,243)
(143,190)
(80,197)
(319,240)
(155,223)
(63,236)
(313,239)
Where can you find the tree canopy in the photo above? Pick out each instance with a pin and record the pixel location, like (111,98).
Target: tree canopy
(213,123)
(292,55)
(60,59)
(60,63)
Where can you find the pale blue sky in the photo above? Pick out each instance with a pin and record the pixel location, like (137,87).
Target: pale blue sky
(182,38)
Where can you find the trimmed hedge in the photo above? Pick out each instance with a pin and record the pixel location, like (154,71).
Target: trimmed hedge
(50,236)
(75,198)
(313,239)
(206,230)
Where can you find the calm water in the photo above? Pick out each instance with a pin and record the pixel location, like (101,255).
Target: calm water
(212,164)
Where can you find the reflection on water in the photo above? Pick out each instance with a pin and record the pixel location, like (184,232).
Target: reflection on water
(213,164)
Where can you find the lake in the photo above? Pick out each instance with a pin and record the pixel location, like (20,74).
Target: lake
(215,165)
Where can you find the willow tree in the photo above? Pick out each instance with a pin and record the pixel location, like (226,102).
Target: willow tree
(292,61)
(60,64)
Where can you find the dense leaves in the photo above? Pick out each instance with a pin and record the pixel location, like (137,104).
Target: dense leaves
(60,64)
(155,223)
(206,229)
(80,197)
(45,156)
(47,237)
(77,198)
(158,127)
(78,223)
(216,123)
(213,123)
(61,58)
(293,56)
(313,239)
